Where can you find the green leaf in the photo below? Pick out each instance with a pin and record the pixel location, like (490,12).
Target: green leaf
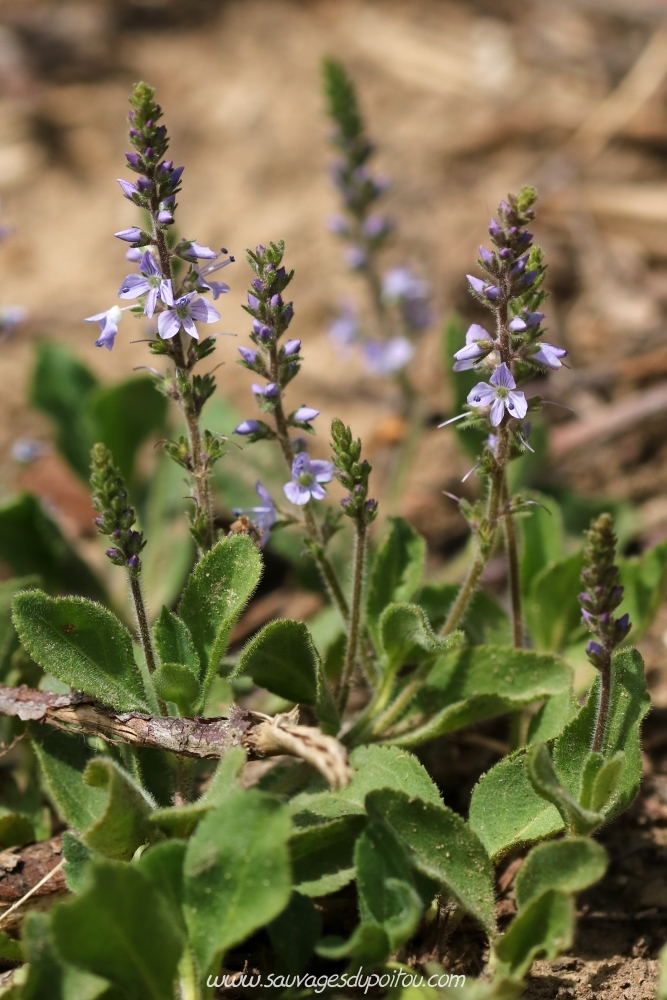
(173,641)
(444,848)
(170,552)
(282,658)
(173,682)
(63,759)
(15,829)
(123,416)
(407,637)
(545,781)
(180,821)
(8,590)
(550,720)
(607,781)
(83,645)
(294,934)
(552,610)
(385,884)
(32,543)
(237,873)
(397,571)
(368,944)
(215,594)
(323,856)
(60,387)
(123,826)
(76,856)
(162,865)
(374,767)
(121,928)
(482,681)
(569,865)
(45,972)
(644,579)
(485,623)
(544,929)
(541,533)
(10,950)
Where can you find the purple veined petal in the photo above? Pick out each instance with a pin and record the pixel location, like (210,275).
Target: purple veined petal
(184,300)
(549,356)
(151,302)
(127,188)
(203,311)
(296,493)
(217,288)
(247,427)
(470,352)
(481,395)
(168,324)
(166,292)
(202,253)
(476,284)
(318,492)
(264,494)
(132,235)
(497,412)
(476,332)
(133,286)
(502,376)
(189,327)
(517,325)
(306,413)
(148,265)
(323,471)
(517,404)
(300,464)
(98,317)
(463,366)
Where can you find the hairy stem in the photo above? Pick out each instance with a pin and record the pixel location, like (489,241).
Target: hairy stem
(603,704)
(355,612)
(182,781)
(144,631)
(514,578)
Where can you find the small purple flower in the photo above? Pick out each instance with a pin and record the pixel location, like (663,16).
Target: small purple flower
(594,648)
(356,258)
(500,395)
(291,347)
(133,235)
(486,256)
(305,414)
(190,249)
(165,217)
(548,355)
(128,189)
(376,225)
(477,284)
(186,310)
(148,282)
(269,391)
(249,356)
(307,476)
(248,427)
(478,345)
(108,321)
(337,224)
(253,301)
(388,357)
(218,288)
(344,330)
(264,516)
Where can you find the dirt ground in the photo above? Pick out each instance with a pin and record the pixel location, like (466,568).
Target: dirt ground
(466,101)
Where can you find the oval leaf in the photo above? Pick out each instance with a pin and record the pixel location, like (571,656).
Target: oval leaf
(570,865)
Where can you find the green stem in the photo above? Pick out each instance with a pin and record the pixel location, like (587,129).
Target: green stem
(144,631)
(183,781)
(514,578)
(355,612)
(604,699)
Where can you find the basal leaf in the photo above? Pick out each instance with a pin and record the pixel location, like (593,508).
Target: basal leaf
(397,571)
(162,865)
(83,645)
(569,865)
(386,886)
(551,719)
(121,928)
(77,857)
(544,929)
(323,855)
(407,637)
(123,826)
(63,759)
(551,609)
(545,781)
(178,684)
(485,623)
(173,641)
(294,934)
(236,874)
(215,594)
(368,945)
(444,848)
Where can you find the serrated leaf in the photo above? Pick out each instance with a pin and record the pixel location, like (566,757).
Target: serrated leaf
(236,874)
(215,594)
(551,609)
(82,644)
(482,681)
(374,767)
(444,847)
(322,856)
(63,759)
(569,865)
(178,684)
(121,928)
(485,623)
(123,826)
(407,637)
(180,821)
(544,929)
(32,543)
(173,642)
(396,573)
(282,657)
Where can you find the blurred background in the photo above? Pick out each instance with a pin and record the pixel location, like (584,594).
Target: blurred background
(465,102)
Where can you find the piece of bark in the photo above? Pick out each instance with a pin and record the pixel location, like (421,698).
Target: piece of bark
(21,868)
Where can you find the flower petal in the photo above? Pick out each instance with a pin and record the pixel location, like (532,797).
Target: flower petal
(517,404)
(168,324)
(151,302)
(296,494)
(203,311)
(189,327)
(323,471)
(481,394)
(166,292)
(318,492)
(497,411)
(148,265)
(133,286)
(503,376)
(476,332)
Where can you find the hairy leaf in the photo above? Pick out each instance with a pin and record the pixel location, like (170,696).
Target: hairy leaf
(323,855)
(294,934)
(569,865)
(551,609)
(63,759)
(407,637)
(173,641)
(545,781)
(396,573)
(83,645)
(123,826)
(178,684)
(545,928)
(386,886)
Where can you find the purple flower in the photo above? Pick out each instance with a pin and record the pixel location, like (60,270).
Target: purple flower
(337,224)
(218,288)
(401,286)
(108,321)
(376,225)
(306,413)
(164,217)
(356,258)
(192,250)
(264,516)
(291,347)
(388,357)
(548,355)
(269,391)
(133,235)
(500,395)
(476,284)
(594,648)
(248,355)
(185,311)
(466,357)
(148,282)
(128,189)
(307,475)
(345,328)
(247,427)
(253,301)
